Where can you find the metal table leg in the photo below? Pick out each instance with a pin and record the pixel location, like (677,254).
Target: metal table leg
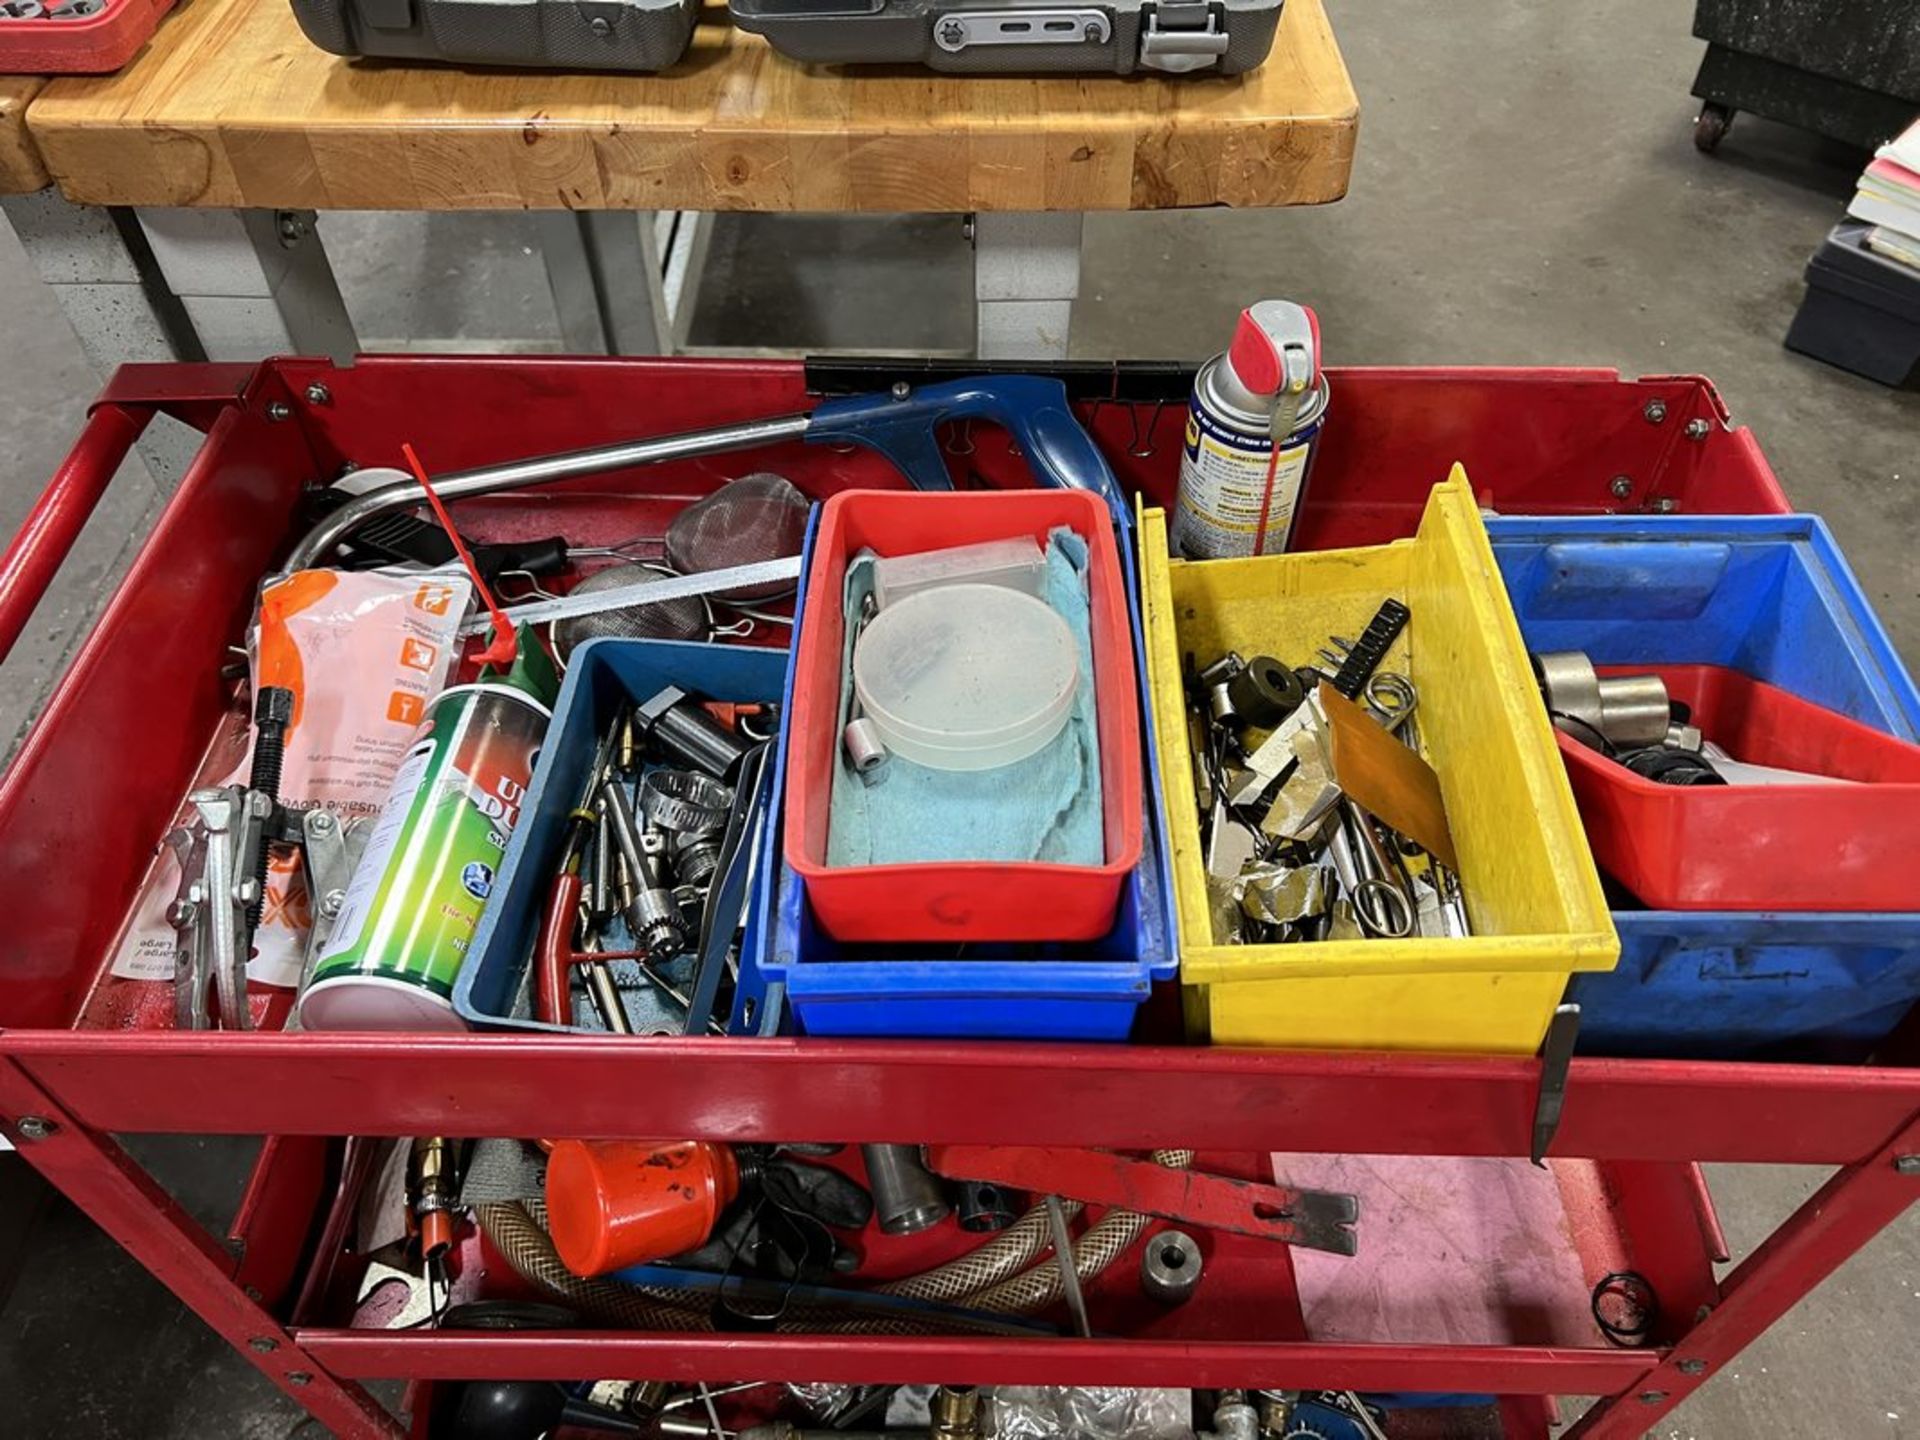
(624,283)
(254,283)
(1026,274)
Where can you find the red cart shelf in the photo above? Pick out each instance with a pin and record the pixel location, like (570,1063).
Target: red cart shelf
(84,1056)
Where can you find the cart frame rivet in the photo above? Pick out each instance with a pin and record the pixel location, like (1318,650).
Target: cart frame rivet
(263,1344)
(1902,1164)
(1652,1397)
(35,1127)
(299,1377)
(1693,1367)
(1656,411)
(318,394)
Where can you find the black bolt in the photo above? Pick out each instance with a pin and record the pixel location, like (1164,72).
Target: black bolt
(272,714)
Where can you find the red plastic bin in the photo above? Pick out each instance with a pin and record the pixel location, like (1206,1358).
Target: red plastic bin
(81,45)
(974,900)
(1758,847)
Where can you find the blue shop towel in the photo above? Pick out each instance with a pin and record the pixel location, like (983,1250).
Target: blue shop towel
(1045,807)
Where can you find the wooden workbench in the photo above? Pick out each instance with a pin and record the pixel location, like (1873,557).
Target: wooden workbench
(20,169)
(231,106)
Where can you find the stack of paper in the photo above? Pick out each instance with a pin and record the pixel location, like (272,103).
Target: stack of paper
(1889,198)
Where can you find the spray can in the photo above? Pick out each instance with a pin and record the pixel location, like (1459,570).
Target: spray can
(1252,426)
(418,892)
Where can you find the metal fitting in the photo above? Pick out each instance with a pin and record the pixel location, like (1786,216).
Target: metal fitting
(906,1197)
(1655,412)
(318,394)
(1276,1413)
(681,729)
(1625,710)
(1621,487)
(1170,1267)
(1697,429)
(954,1413)
(1902,1164)
(35,1127)
(278,410)
(1693,1367)
(1234,1418)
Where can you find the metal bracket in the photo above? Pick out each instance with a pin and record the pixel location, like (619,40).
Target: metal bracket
(217,887)
(1313,1219)
(1556,1055)
(966,28)
(330,848)
(1181,37)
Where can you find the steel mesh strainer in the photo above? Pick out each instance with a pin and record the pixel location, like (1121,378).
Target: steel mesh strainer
(687,618)
(757,517)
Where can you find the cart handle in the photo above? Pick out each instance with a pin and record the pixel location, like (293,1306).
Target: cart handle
(58,516)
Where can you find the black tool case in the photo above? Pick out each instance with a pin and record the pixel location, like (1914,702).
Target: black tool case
(986,37)
(1861,311)
(552,34)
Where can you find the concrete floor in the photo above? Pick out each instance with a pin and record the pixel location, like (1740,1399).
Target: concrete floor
(1525,194)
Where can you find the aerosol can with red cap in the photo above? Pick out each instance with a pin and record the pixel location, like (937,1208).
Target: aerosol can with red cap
(1252,426)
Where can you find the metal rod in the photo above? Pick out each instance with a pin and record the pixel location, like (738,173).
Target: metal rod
(540,470)
(1069,1277)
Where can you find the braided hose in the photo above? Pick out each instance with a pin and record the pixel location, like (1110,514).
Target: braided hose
(529,1249)
(1093,1252)
(1001,1258)
(994,1277)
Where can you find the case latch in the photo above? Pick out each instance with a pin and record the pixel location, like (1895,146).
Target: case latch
(966,28)
(1182,35)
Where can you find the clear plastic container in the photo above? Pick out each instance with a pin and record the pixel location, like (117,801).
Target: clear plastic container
(1016,563)
(968,676)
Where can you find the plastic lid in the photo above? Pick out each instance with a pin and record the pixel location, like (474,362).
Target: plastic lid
(967,677)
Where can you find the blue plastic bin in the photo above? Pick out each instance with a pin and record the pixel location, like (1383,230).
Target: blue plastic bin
(1773,597)
(1061,992)
(1720,985)
(1768,595)
(491,993)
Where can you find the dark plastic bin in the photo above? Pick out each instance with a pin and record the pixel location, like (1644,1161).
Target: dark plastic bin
(1767,595)
(491,993)
(1090,991)
(1724,985)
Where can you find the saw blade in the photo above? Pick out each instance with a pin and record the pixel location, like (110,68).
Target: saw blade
(641,592)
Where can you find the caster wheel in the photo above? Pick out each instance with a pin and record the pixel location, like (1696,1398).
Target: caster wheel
(1711,127)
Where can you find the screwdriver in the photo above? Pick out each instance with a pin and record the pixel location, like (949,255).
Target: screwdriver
(553,958)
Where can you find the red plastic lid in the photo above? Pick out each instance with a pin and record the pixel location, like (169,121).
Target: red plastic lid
(610,1203)
(1255,353)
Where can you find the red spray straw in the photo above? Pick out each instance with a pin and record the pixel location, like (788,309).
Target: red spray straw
(505,648)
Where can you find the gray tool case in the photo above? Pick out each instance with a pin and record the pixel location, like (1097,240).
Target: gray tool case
(1007,37)
(548,34)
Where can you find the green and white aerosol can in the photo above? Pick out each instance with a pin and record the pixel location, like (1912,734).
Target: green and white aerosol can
(1252,426)
(416,896)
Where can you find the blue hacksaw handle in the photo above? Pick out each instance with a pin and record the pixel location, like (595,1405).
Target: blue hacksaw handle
(1033,408)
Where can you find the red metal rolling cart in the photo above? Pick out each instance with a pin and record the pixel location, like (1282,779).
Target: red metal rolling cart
(85,1056)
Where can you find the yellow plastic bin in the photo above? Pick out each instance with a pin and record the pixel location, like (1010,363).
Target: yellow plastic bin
(1531,889)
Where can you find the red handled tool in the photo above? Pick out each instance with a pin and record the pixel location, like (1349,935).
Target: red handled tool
(1314,1219)
(554,955)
